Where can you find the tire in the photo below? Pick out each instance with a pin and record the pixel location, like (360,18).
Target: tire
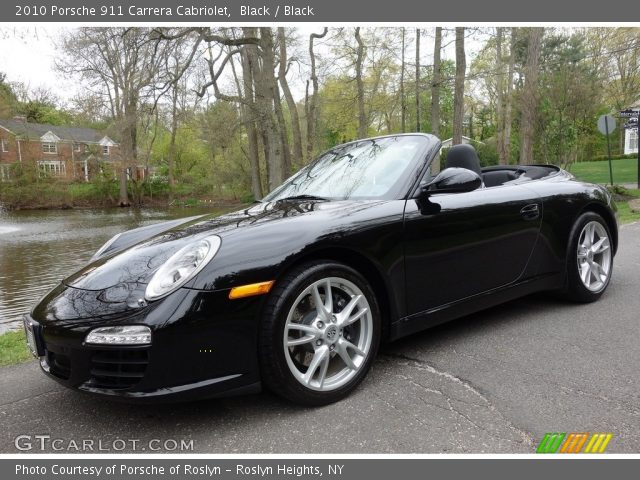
(586,283)
(325,357)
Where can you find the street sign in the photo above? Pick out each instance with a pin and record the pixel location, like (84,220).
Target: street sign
(633,114)
(606,124)
(629,112)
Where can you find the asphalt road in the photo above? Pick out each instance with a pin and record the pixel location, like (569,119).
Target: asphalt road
(492,382)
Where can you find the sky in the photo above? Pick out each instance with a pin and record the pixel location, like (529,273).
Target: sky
(28,55)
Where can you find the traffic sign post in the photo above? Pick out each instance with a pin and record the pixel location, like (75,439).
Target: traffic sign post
(606,125)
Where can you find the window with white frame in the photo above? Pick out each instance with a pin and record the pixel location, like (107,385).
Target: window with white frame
(633,140)
(4,146)
(49,147)
(77,147)
(105,150)
(54,168)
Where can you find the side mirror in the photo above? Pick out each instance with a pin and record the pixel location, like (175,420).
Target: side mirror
(453,180)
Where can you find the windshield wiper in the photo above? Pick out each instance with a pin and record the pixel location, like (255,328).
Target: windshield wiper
(305,197)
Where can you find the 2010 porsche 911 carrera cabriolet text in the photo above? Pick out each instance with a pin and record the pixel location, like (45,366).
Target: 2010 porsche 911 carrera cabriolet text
(296,293)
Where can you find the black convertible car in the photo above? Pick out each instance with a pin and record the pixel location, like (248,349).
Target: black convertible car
(296,293)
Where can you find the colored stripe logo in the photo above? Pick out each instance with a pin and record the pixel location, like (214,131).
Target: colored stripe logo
(574,442)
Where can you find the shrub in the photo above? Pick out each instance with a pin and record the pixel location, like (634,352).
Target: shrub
(600,158)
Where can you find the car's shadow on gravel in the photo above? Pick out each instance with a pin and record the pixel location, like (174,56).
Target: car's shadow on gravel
(430,340)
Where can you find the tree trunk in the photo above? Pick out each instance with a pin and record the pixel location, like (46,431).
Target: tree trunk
(311,107)
(128,147)
(509,99)
(282,128)
(298,156)
(264,81)
(435,93)
(174,132)
(500,97)
(403,103)
(124,195)
(458,99)
(362,117)
(250,124)
(530,95)
(418,113)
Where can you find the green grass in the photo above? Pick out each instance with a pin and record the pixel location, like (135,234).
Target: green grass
(625,170)
(13,348)
(625,215)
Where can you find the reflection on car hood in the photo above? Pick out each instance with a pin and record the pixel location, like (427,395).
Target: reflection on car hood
(133,267)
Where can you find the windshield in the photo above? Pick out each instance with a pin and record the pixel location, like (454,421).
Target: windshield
(368,169)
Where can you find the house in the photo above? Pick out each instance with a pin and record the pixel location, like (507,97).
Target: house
(465,140)
(71,153)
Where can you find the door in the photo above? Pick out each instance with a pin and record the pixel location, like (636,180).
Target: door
(462,244)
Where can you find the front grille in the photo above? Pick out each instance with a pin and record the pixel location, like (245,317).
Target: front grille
(118,368)
(59,365)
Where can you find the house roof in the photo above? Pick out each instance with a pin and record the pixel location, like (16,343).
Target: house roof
(35,131)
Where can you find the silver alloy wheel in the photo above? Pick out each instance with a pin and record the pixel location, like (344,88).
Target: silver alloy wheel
(328,334)
(594,256)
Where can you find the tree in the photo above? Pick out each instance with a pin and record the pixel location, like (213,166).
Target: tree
(7,98)
(621,62)
(311,100)
(529,97)
(363,125)
(505,155)
(38,105)
(121,63)
(281,165)
(435,90)
(418,113)
(458,103)
(570,100)
(178,95)
(291,104)
(266,107)
(247,100)
(500,94)
(403,100)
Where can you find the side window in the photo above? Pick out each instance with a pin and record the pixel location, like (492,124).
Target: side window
(428,176)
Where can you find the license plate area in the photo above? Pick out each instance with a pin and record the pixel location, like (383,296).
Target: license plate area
(31,329)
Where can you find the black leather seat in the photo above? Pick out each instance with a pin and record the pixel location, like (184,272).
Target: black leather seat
(463,156)
(498,177)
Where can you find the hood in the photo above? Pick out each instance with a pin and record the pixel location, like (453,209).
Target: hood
(113,286)
(132,268)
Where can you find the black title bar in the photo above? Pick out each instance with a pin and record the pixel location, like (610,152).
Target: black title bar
(270,11)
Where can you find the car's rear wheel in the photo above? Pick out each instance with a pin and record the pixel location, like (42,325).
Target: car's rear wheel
(320,333)
(589,258)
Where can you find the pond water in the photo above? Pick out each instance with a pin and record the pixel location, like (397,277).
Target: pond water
(40,248)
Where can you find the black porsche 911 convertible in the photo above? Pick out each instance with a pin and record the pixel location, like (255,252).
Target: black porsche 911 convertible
(296,293)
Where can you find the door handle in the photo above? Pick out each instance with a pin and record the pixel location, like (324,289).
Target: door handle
(530,212)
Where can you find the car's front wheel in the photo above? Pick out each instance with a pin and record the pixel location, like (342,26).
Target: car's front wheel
(319,334)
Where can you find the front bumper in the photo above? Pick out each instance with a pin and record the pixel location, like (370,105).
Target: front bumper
(203,345)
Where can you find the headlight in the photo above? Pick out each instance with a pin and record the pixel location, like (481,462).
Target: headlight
(182,266)
(104,247)
(120,335)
